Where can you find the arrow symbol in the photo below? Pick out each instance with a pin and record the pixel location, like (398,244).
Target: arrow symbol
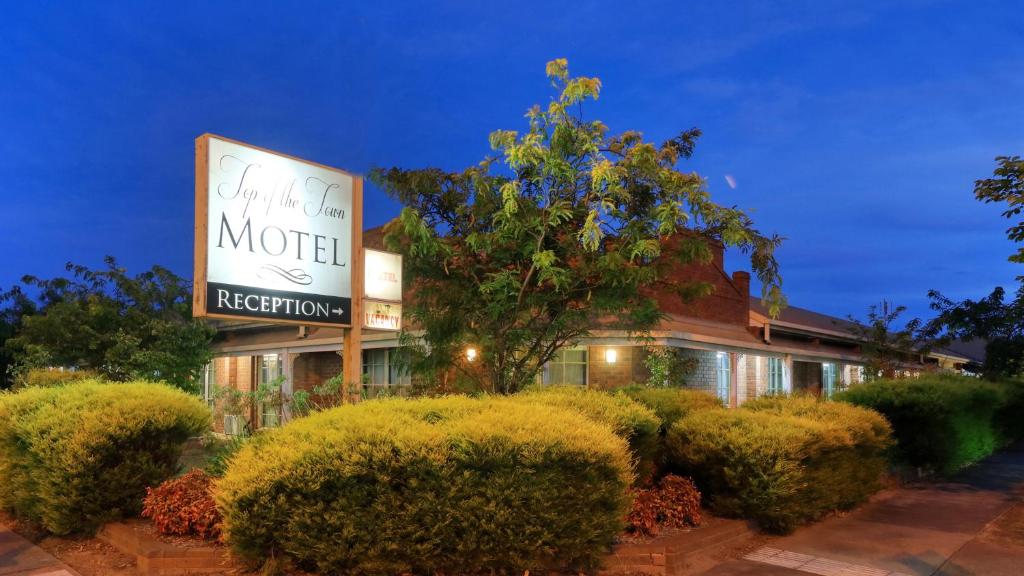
(337,311)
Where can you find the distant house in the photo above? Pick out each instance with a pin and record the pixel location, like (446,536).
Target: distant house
(738,352)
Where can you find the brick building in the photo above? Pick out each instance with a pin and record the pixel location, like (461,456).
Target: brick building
(737,351)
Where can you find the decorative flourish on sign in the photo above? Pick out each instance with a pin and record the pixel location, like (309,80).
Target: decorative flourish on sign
(295,275)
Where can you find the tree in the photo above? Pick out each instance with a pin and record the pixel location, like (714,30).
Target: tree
(1000,324)
(16,306)
(523,253)
(1006,185)
(885,349)
(121,326)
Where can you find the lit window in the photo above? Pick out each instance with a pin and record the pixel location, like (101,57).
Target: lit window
(724,376)
(828,379)
(567,367)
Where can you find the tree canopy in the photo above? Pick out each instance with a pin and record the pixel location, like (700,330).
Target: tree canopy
(562,228)
(119,325)
(1006,185)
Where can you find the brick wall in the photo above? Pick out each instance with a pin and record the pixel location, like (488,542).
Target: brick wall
(313,368)
(729,303)
(627,369)
(705,374)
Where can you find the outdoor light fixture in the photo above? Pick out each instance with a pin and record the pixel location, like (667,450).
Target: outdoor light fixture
(470,354)
(611,355)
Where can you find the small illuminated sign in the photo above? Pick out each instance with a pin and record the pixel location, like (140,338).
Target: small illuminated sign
(382,315)
(382,275)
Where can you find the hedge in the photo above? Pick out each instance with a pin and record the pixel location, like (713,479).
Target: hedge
(429,486)
(941,422)
(75,457)
(638,424)
(783,461)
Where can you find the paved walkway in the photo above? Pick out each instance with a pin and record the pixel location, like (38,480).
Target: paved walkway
(971,525)
(19,557)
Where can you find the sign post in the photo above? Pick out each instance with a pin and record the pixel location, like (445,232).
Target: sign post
(278,239)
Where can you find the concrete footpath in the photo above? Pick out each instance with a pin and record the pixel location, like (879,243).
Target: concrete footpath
(19,557)
(970,525)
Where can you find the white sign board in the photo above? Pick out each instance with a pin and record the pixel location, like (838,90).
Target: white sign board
(278,236)
(382,275)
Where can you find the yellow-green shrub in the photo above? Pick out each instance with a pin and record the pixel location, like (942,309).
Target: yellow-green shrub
(671,404)
(450,485)
(46,378)
(783,461)
(74,457)
(638,424)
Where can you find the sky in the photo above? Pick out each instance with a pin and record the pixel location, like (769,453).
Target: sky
(854,129)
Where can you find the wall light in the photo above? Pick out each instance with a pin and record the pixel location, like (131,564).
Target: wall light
(611,355)
(470,354)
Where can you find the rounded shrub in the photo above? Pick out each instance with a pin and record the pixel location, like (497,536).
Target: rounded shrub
(779,468)
(638,424)
(75,457)
(451,485)
(671,404)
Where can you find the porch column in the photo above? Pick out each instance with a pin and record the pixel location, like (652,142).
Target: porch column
(287,387)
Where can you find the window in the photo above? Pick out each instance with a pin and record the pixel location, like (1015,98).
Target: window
(568,366)
(381,366)
(724,375)
(210,381)
(828,379)
(375,366)
(776,383)
(271,368)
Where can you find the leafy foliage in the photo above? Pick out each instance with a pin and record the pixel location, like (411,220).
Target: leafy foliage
(999,323)
(782,462)
(941,422)
(75,457)
(47,378)
(184,506)
(521,254)
(668,367)
(124,327)
(887,350)
(449,485)
(16,305)
(1006,185)
(673,503)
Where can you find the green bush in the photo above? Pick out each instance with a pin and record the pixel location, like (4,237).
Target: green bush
(1009,416)
(47,378)
(941,423)
(75,457)
(451,485)
(783,461)
(671,404)
(631,420)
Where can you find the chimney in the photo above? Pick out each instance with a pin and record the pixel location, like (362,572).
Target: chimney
(741,280)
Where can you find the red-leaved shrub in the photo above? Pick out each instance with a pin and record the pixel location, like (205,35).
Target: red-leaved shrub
(673,503)
(184,506)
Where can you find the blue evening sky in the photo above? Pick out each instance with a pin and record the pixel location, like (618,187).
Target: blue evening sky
(855,129)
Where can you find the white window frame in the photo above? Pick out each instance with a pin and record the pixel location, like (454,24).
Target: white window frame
(723,376)
(776,375)
(829,379)
(558,361)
